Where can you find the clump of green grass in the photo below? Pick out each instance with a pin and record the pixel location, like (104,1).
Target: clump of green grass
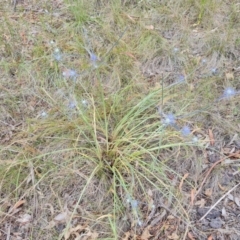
(115,141)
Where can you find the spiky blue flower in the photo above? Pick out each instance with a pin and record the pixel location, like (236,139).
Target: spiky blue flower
(140,223)
(214,71)
(134,204)
(185,131)
(93,59)
(57,54)
(85,103)
(44,114)
(169,120)
(72,104)
(175,49)
(69,73)
(195,139)
(181,78)
(229,92)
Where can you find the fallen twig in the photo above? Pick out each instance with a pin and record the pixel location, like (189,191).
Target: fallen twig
(209,171)
(219,200)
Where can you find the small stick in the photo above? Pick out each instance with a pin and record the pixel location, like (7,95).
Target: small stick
(219,200)
(209,171)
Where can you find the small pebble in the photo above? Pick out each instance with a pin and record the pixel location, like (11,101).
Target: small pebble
(216,223)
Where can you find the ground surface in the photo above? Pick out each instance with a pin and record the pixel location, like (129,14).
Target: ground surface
(119,119)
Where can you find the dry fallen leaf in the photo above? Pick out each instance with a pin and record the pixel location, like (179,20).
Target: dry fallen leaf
(227,150)
(50,225)
(190,236)
(211,137)
(230,196)
(131,18)
(170,217)
(127,235)
(19,203)
(208,192)
(235,155)
(182,180)
(149,27)
(150,194)
(61,217)
(93,235)
(229,76)
(210,237)
(200,203)
(234,199)
(80,232)
(193,191)
(191,87)
(130,55)
(146,235)
(224,212)
(237,201)
(88,236)
(16,205)
(73,231)
(221,187)
(174,236)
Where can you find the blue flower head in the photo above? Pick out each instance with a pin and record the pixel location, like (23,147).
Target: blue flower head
(134,204)
(195,139)
(169,120)
(175,49)
(69,73)
(85,103)
(57,54)
(181,78)
(93,59)
(71,104)
(229,92)
(140,223)
(44,114)
(214,71)
(185,131)
(72,73)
